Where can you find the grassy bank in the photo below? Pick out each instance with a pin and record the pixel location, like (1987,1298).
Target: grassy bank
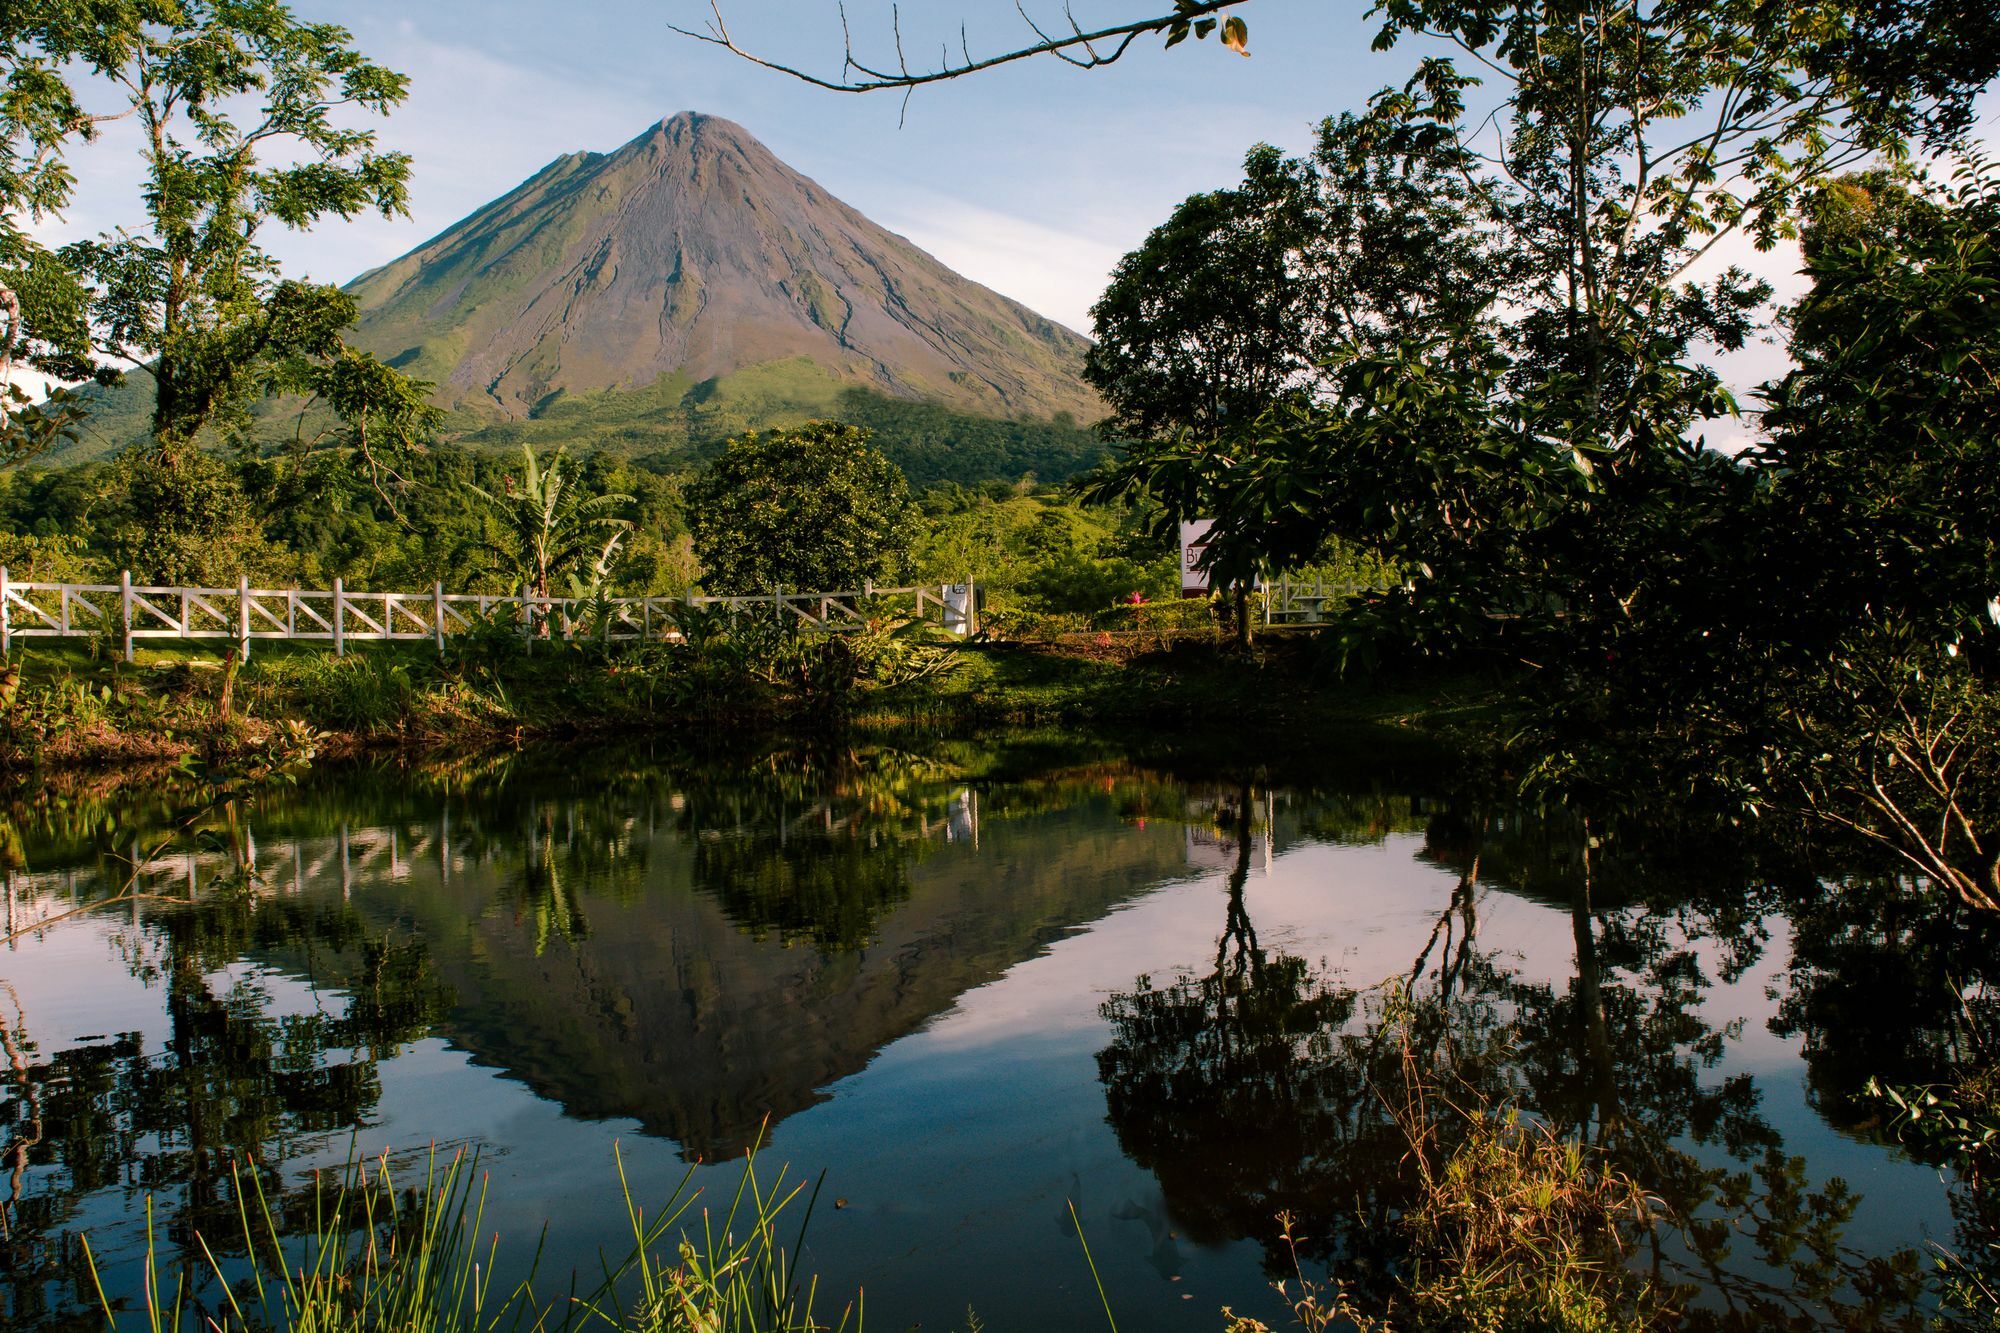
(1140,678)
(63,706)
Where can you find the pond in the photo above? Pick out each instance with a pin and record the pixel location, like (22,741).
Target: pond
(966,986)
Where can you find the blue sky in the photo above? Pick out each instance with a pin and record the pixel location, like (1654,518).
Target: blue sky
(1033,179)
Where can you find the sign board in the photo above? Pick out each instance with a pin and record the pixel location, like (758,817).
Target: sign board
(958,607)
(1194,545)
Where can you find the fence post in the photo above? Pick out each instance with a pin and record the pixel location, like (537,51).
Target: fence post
(242,617)
(125,609)
(437,613)
(339,620)
(6,618)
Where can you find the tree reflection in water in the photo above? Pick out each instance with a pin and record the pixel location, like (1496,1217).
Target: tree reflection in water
(1265,1085)
(236,1085)
(1254,1085)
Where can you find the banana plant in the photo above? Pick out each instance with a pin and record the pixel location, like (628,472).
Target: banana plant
(544,524)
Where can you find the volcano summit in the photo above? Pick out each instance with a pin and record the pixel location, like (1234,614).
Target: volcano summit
(687,257)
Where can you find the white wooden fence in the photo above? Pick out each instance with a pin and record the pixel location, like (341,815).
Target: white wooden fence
(1303,603)
(340,616)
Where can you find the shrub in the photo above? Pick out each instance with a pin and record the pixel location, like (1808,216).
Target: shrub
(1191,613)
(363,692)
(1020,623)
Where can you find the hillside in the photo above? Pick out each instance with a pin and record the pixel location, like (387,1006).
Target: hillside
(688,256)
(689,286)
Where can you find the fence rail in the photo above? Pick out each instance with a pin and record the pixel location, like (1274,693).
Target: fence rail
(1308,603)
(339,616)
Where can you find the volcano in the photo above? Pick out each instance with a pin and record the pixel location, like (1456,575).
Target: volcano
(689,258)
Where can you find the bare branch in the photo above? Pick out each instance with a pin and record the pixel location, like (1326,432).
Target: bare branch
(1083,49)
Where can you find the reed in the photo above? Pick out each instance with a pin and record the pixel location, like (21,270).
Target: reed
(371,1257)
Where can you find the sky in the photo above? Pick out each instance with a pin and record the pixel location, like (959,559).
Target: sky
(1033,179)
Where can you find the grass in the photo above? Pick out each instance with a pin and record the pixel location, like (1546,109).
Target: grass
(63,705)
(374,1258)
(1144,677)
(1516,1227)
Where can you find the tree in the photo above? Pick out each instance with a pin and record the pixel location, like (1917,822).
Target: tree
(193,296)
(1212,319)
(239,105)
(1882,443)
(186,519)
(1532,456)
(1872,616)
(1244,301)
(1913,66)
(386,413)
(545,524)
(813,508)
(1628,141)
(43,306)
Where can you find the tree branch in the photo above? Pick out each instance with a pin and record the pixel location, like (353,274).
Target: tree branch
(1115,40)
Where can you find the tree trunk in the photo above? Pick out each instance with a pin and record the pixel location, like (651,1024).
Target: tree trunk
(225,705)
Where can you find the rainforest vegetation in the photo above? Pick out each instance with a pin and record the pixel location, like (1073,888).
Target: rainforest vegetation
(1463,352)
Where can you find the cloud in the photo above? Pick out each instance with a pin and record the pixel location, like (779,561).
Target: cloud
(1052,272)
(476,126)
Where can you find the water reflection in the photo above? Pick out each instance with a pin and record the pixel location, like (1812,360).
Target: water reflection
(712,949)
(227,1080)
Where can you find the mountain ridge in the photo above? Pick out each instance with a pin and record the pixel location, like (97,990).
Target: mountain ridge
(685,287)
(691,250)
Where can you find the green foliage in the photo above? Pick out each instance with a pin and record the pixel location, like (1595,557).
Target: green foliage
(364,694)
(55,558)
(1504,430)
(677,423)
(1038,551)
(546,523)
(1498,384)
(1959,1123)
(192,295)
(47,45)
(1072,581)
(1882,441)
(1521,1227)
(190,521)
(1855,602)
(244,117)
(812,508)
(934,444)
(30,429)
(321,515)
(1509,350)
(387,414)
(1212,318)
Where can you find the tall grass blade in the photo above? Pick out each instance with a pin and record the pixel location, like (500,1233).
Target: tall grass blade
(1076,1221)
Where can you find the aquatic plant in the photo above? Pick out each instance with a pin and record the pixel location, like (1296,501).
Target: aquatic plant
(354,1253)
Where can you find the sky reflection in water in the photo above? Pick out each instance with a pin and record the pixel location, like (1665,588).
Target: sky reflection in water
(920,974)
